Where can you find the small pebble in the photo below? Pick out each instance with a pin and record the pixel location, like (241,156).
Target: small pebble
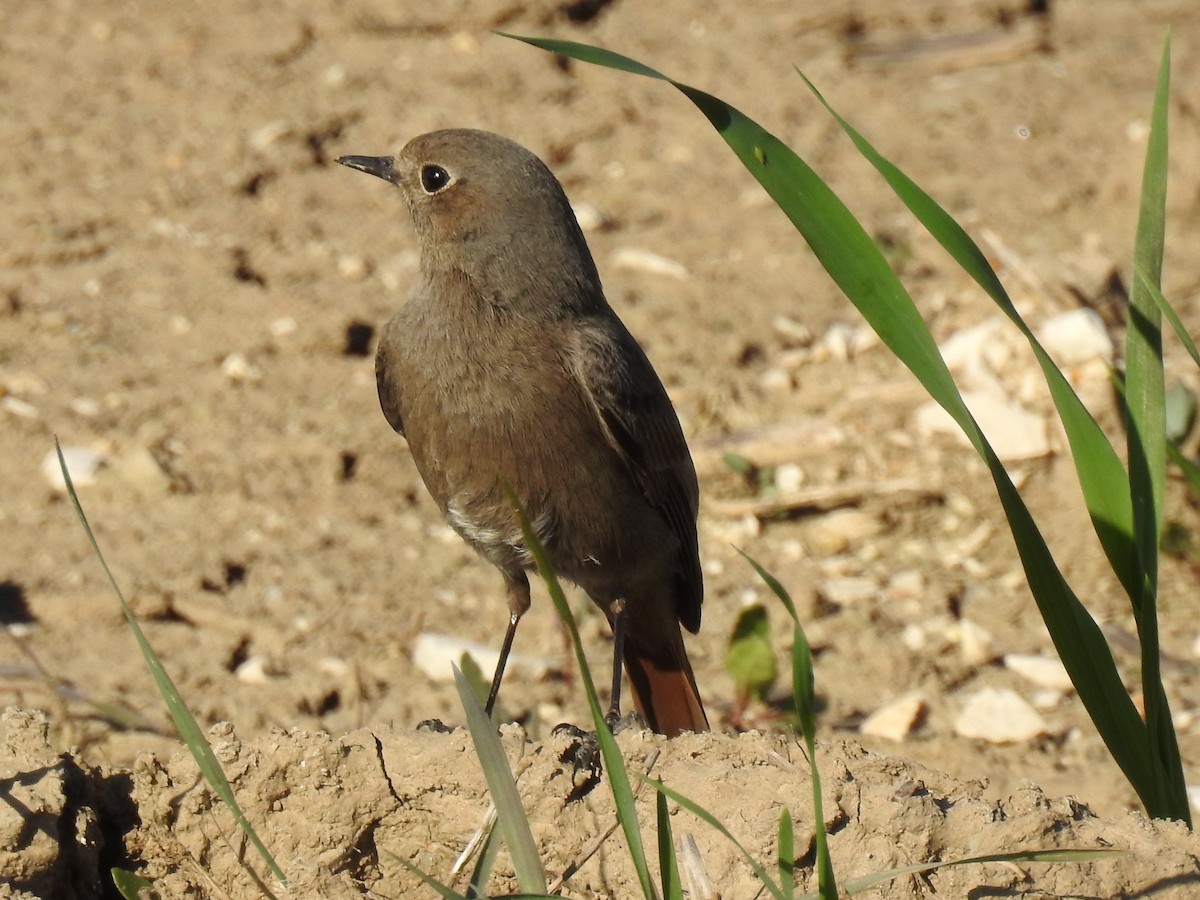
(848,590)
(1043,671)
(636,259)
(895,720)
(999,716)
(237,369)
(82,464)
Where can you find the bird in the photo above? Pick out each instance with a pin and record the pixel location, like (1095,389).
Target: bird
(509,375)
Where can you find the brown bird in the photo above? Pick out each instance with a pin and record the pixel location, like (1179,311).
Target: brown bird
(509,366)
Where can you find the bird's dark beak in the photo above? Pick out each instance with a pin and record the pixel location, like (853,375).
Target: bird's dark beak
(379,166)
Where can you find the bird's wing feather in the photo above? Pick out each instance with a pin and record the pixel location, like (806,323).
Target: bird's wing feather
(639,422)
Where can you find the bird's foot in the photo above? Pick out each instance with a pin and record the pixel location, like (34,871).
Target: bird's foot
(617,723)
(582,752)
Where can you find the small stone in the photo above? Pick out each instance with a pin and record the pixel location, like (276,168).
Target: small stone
(1013,432)
(794,333)
(237,369)
(86,407)
(263,137)
(912,636)
(999,716)
(1043,671)
(776,379)
(639,260)
(974,644)
(253,671)
(433,654)
(334,666)
(82,464)
(1076,337)
(788,478)
(895,720)
(352,267)
(590,217)
(283,327)
(847,590)
(140,469)
(838,341)
(840,529)
(907,585)
(18,407)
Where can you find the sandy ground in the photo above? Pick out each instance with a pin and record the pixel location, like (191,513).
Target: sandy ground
(187,289)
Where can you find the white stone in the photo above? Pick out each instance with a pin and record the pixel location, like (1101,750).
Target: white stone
(434,653)
(253,671)
(237,369)
(1076,337)
(788,478)
(894,720)
(850,589)
(1043,671)
(82,465)
(1013,432)
(906,585)
(838,530)
(283,327)
(639,260)
(1000,716)
(589,216)
(974,643)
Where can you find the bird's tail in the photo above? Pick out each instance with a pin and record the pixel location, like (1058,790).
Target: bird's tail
(664,688)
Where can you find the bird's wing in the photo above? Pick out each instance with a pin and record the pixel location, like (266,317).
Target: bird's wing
(639,422)
(385,383)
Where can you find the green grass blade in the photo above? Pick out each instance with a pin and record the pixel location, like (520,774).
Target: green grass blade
(1102,477)
(704,815)
(1191,472)
(1145,403)
(130,885)
(514,824)
(446,893)
(1167,311)
(785,854)
(185,722)
(668,865)
(477,886)
(804,695)
(1144,388)
(859,269)
(866,882)
(614,763)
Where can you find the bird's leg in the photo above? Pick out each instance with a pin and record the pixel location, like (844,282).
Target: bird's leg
(518,603)
(513,619)
(617,609)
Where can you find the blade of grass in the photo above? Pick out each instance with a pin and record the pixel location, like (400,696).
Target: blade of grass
(514,824)
(614,763)
(446,893)
(866,882)
(476,887)
(130,885)
(785,854)
(1101,475)
(1168,312)
(668,866)
(859,269)
(1145,402)
(1108,492)
(185,722)
(704,815)
(804,694)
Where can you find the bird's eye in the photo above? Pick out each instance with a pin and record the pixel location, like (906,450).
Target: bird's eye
(434,179)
